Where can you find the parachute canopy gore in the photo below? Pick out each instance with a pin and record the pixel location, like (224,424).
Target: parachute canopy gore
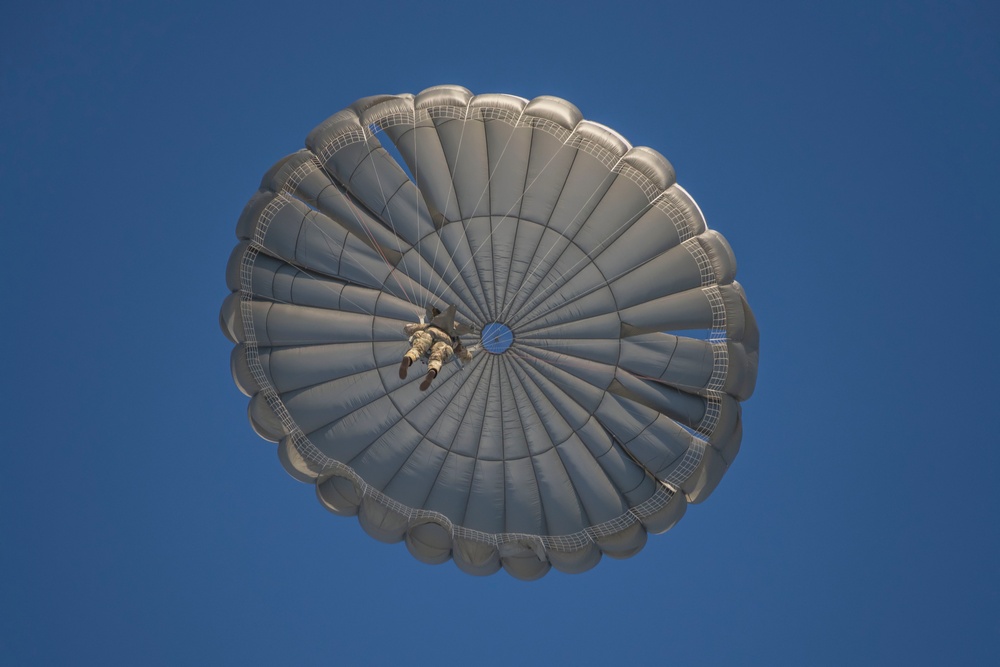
(497,337)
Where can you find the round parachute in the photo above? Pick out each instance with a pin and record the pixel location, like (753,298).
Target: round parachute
(612,345)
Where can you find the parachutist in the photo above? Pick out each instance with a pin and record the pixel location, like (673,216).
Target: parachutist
(438,340)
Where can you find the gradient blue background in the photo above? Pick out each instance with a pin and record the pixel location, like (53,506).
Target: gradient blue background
(847,150)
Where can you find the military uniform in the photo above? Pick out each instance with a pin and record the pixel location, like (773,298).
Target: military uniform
(426,337)
(435,340)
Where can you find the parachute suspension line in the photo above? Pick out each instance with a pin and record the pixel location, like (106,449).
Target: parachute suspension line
(285,302)
(371,237)
(506,216)
(328,151)
(504,308)
(713,389)
(708,283)
(388,215)
(712,393)
(257,244)
(416,197)
(624,450)
(567,360)
(429,291)
(688,462)
(489,300)
(284,194)
(516,365)
(491,361)
(504,219)
(447,205)
(521,418)
(320,279)
(614,171)
(489,182)
(589,255)
(378,248)
(477,368)
(537,265)
(713,401)
(458,155)
(661,496)
(577,362)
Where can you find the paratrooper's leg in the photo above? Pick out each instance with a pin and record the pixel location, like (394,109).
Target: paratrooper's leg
(421,343)
(439,354)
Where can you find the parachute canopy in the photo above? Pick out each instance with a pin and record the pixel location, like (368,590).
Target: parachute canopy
(614,345)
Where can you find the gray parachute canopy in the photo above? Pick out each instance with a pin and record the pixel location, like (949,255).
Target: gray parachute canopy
(614,345)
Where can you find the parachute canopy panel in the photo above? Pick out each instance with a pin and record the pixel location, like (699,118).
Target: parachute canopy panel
(579,425)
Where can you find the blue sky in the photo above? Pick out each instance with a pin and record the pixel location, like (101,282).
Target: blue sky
(848,152)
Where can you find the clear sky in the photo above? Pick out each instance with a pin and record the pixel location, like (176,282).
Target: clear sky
(849,153)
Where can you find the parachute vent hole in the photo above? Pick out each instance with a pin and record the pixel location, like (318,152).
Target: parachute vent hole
(497,338)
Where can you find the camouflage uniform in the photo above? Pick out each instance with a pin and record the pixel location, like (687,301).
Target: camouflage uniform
(425,337)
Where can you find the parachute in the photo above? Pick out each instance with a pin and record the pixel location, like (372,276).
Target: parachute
(613,344)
